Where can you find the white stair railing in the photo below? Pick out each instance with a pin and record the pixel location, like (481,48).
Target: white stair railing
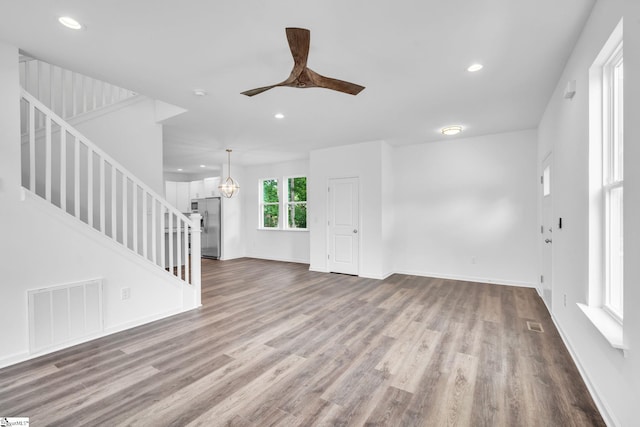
(65,92)
(66,169)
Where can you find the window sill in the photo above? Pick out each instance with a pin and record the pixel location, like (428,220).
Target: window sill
(283,229)
(608,327)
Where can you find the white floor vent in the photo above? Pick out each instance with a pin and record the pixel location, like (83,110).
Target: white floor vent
(63,314)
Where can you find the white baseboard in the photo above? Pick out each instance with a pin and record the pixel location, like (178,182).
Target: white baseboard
(13,359)
(144,320)
(376,276)
(602,406)
(268,258)
(24,356)
(477,279)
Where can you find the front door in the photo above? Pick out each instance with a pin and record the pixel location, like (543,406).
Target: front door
(344,242)
(546,230)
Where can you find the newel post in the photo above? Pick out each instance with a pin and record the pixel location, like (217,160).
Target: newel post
(196,260)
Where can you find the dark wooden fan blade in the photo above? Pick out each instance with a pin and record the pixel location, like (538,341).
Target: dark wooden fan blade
(299,39)
(258,90)
(333,84)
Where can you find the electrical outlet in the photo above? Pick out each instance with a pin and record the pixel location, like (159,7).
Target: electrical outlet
(564,299)
(125,293)
(474,260)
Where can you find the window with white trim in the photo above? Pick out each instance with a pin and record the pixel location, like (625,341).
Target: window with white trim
(613,180)
(283,203)
(269,203)
(296,204)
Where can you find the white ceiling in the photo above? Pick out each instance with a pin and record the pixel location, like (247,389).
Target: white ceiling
(411,55)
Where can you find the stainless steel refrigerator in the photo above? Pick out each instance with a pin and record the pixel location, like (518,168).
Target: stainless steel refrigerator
(209,208)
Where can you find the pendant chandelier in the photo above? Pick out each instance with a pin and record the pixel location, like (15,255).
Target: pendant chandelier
(229,187)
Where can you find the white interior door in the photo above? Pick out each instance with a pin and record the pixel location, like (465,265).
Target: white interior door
(343,226)
(546,230)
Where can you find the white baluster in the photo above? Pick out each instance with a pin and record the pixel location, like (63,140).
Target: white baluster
(63,89)
(94,94)
(27,76)
(170,231)
(114,218)
(154,233)
(74,93)
(134,199)
(178,248)
(84,94)
(125,216)
(103,93)
(163,253)
(186,252)
(63,168)
(48,173)
(145,235)
(39,75)
(32,148)
(103,195)
(51,95)
(76,177)
(90,185)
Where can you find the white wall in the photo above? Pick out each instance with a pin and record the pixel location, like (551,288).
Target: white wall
(132,137)
(465,199)
(232,218)
(564,130)
(279,245)
(365,162)
(41,246)
(388,221)
(628,412)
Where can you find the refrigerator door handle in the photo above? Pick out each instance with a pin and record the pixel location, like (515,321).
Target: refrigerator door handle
(206,220)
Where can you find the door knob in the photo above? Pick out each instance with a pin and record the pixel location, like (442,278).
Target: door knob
(355,231)
(547,240)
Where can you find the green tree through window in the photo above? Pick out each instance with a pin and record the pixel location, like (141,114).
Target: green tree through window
(287,196)
(270,203)
(297,202)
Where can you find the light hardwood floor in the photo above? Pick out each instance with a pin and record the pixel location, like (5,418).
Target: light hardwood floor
(275,344)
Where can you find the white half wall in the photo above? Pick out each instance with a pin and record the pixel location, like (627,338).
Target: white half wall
(466,209)
(564,129)
(278,245)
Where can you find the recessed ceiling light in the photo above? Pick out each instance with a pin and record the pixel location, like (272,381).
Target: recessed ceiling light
(451,130)
(279,116)
(179,170)
(69,22)
(475,67)
(202,166)
(199,92)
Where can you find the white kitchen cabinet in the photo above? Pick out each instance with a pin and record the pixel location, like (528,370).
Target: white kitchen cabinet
(196,189)
(211,186)
(177,193)
(183,201)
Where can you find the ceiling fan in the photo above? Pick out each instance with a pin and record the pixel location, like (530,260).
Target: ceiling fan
(302,76)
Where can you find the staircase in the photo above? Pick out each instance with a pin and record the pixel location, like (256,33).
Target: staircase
(70,172)
(67,93)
